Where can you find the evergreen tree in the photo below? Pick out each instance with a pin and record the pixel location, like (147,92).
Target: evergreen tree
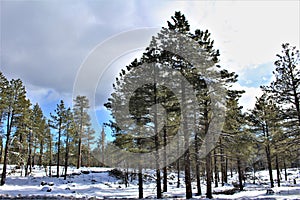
(264,119)
(3,105)
(38,130)
(167,49)
(69,134)
(57,122)
(16,98)
(3,96)
(236,137)
(285,89)
(82,120)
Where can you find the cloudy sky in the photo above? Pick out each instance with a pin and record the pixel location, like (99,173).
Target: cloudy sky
(45,43)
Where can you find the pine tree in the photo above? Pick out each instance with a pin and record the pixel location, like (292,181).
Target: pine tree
(236,137)
(264,118)
(38,129)
(16,96)
(49,147)
(285,89)
(3,105)
(90,137)
(3,96)
(82,119)
(19,145)
(57,122)
(69,134)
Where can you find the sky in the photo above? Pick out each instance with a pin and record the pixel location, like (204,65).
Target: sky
(46,43)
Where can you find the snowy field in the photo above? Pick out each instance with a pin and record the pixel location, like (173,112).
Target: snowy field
(97,183)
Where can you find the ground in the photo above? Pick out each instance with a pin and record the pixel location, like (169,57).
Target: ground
(98,183)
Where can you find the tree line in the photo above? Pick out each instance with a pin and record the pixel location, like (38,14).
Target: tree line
(28,138)
(265,137)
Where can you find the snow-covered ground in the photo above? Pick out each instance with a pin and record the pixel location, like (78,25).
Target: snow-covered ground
(96,183)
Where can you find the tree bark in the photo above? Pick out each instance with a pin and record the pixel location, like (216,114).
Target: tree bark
(187,162)
(79,156)
(187,167)
(1,149)
(58,147)
(269,165)
(226,170)
(222,163)
(165,175)
(285,172)
(208,176)
(277,170)
(140,175)
(29,162)
(66,156)
(50,155)
(178,172)
(199,192)
(197,164)
(41,153)
(8,132)
(241,187)
(216,168)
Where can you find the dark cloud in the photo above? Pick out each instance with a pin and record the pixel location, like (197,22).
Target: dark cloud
(44,42)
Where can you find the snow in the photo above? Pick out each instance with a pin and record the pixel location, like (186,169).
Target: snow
(97,183)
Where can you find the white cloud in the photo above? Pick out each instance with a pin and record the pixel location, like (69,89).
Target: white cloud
(248,98)
(44,43)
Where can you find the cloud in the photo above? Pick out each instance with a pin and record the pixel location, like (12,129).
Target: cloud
(45,42)
(248,99)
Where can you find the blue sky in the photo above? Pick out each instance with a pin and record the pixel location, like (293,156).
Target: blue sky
(45,42)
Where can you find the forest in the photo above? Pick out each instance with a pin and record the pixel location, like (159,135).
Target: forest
(170,122)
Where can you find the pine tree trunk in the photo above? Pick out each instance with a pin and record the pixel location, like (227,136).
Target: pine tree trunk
(156,143)
(50,156)
(178,173)
(158,183)
(58,147)
(277,170)
(197,164)
(79,153)
(29,162)
(34,153)
(1,149)
(198,180)
(222,163)
(66,157)
(216,168)
(226,170)
(79,156)
(187,170)
(140,175)
(8,132)
(187,162)
(285,172)
(41,153)
(126,178)
(269,165)
(3,176)
(208,177)
(178,163)
(165,175)
(254,173)
(240,174)
(165,179)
